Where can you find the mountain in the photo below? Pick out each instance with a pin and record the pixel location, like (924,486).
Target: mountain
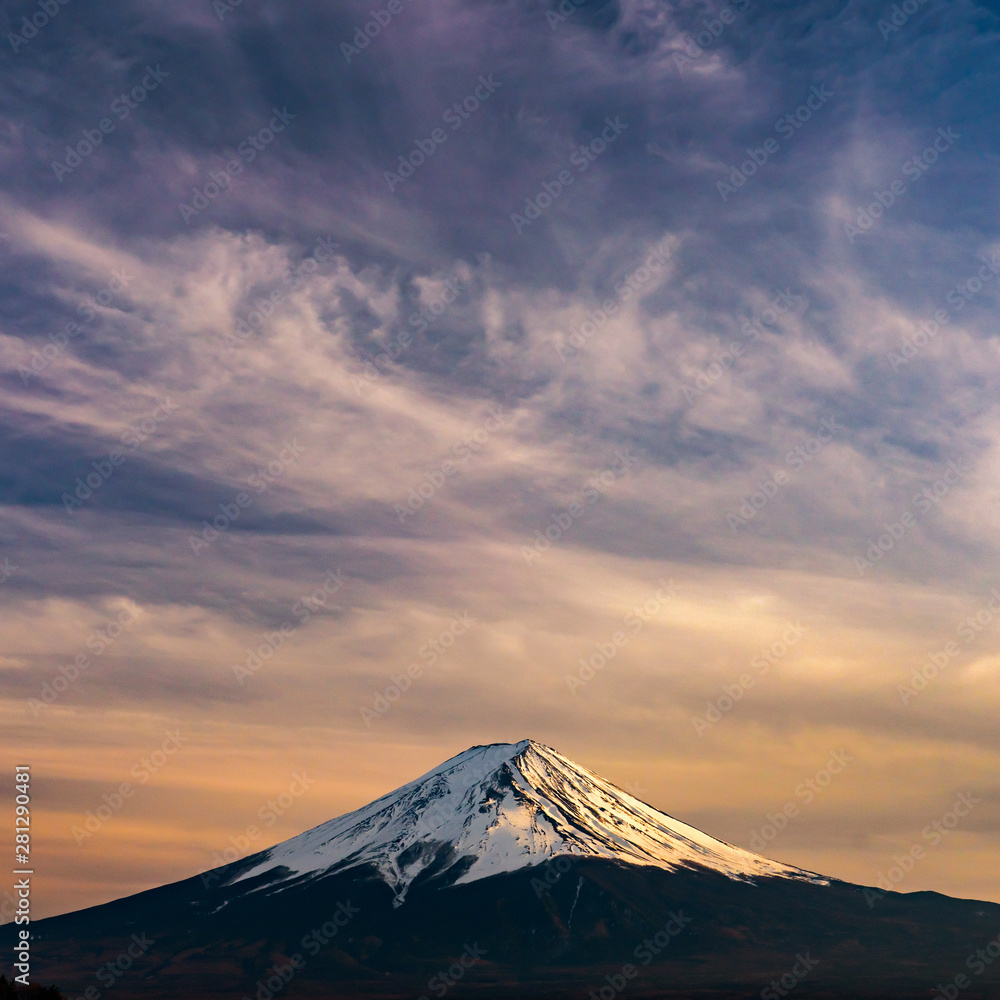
(501,808)
(510,871)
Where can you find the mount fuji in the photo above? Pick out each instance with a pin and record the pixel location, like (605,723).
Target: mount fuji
(509,871)
(496,809)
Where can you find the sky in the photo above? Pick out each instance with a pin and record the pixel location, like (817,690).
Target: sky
(385,378)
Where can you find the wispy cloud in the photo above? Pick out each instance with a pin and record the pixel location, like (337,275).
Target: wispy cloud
(563,259)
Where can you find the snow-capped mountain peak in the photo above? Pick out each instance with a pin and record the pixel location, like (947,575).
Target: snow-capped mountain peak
(501,808)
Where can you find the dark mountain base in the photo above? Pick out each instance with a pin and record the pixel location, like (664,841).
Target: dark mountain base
(597,927)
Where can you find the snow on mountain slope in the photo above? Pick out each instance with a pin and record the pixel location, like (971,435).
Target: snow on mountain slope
(501,808)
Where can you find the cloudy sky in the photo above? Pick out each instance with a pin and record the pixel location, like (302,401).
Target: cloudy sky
(622,376)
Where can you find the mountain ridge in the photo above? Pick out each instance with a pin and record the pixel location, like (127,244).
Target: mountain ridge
(496,808)
(374,904)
